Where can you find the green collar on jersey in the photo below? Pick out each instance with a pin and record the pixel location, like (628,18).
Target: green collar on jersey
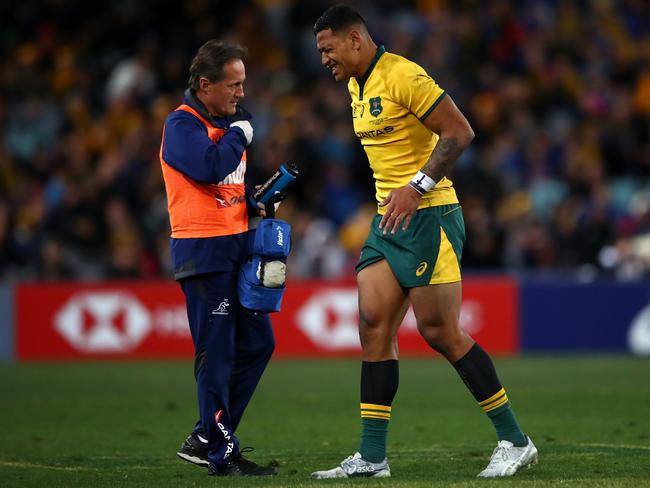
(380,50)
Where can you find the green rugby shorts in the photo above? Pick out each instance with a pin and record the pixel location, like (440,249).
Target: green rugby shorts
(427,253)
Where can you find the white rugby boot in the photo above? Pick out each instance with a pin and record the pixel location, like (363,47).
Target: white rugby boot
(507,459)
(355,467)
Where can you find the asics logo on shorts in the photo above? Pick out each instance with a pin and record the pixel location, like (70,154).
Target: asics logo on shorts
(421,269)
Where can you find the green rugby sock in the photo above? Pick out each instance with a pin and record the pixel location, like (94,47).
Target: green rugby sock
(373,438)
(498,409)
(379,381)
(477,371)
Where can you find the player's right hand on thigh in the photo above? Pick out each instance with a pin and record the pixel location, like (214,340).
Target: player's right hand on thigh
(401,204)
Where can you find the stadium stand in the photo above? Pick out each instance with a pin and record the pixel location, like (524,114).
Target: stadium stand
(558,93)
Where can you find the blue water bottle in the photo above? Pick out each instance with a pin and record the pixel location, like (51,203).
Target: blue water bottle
(276,183)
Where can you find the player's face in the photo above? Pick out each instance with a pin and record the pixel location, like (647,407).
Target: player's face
(221,97)
(337,53)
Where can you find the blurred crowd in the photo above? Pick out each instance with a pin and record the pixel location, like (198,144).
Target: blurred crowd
(558,93)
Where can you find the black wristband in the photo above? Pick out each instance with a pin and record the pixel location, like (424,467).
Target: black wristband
(417,187)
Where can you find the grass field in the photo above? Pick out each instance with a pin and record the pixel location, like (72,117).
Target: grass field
(117,424)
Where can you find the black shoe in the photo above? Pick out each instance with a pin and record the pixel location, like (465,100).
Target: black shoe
(238,465)
(194,451)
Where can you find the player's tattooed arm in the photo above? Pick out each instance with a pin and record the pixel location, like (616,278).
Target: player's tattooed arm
(443,156)
(454,133)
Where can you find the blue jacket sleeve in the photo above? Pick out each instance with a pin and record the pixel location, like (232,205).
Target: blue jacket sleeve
(188,149)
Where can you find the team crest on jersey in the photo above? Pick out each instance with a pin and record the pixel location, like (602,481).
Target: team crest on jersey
(375,106)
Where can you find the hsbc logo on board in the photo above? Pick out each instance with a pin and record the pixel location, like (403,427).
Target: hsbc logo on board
(103,322)
(638,335)
(329,318)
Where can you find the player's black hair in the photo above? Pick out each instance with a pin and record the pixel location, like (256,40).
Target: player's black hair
(210,59)
(339,17)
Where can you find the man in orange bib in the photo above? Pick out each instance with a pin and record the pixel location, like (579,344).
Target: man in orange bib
(203,159)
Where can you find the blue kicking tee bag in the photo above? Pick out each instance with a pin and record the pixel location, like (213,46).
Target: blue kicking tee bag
(261,278)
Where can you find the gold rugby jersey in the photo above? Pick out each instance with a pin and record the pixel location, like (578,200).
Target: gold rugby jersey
(389,104)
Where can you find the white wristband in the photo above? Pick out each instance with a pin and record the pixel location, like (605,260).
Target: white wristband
(422,182)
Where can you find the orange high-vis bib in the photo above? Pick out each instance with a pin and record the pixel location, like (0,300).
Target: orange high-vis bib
(205,209)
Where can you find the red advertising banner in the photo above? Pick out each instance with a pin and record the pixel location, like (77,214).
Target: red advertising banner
(320,318)
(101,320)
(148,320)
